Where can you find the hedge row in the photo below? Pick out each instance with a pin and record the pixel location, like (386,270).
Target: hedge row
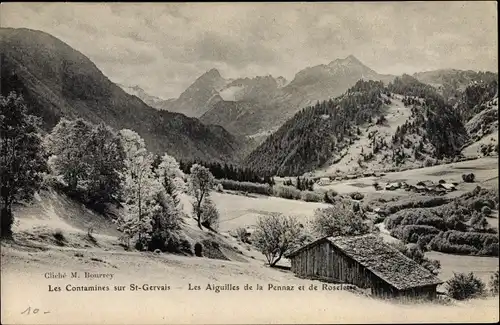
(249,187)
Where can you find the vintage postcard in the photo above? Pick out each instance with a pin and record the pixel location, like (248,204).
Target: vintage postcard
(236,163)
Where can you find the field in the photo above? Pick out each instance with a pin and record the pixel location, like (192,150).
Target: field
(482,266)
(485,169)
(241,211)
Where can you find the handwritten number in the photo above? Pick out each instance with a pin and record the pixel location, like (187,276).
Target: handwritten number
(35,311)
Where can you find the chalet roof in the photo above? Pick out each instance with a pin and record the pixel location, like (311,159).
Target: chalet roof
(447,186)
(393,186)
(426,183)
(383,260)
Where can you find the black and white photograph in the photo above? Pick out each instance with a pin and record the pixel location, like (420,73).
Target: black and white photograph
(249,162)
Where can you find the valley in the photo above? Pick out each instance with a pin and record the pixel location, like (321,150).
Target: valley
(223,163)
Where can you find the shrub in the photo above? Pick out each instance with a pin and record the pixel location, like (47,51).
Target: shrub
(264,189)
(329,196)
(242,235)
(417,216)
(421,202)
(489,203)
(454,223)
(469,178)
(457,242)
(489,249)
(411,233)
(464,286)
(276,235)
(287,192)
(428,162)
(338,220)
(423,241)
(494,286)
(357,196)
(185,246)
(198,249)
(310,196)
(356,207)
(379,218)
(59,236)
(486,210)
(169,242)
(367,207)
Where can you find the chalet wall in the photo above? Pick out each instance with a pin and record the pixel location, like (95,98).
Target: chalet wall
(429,292)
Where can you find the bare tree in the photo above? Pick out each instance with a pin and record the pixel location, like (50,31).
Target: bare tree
(275,235)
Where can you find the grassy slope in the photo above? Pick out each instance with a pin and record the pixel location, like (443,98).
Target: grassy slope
(473,150)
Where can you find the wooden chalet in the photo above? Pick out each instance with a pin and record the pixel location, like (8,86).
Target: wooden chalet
(367,262)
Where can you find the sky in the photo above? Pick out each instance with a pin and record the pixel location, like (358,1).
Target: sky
(164,47)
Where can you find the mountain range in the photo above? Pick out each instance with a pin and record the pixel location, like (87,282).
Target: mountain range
(340,115)
(256,106)
(57,80)
(137,91)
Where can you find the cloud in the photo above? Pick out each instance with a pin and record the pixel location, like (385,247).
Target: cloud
(165,47)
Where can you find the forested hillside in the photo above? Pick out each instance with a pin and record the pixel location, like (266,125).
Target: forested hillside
(327,132)
(317,132)
(432,119)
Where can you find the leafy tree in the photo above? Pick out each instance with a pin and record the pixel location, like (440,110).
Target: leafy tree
(201,182)
(88,157)
(276,235)
(165,222)
(105,156)
(152,214)
(140,186)
(68,143)
(338,220)
(209,214)
(171,177)
(22,157)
